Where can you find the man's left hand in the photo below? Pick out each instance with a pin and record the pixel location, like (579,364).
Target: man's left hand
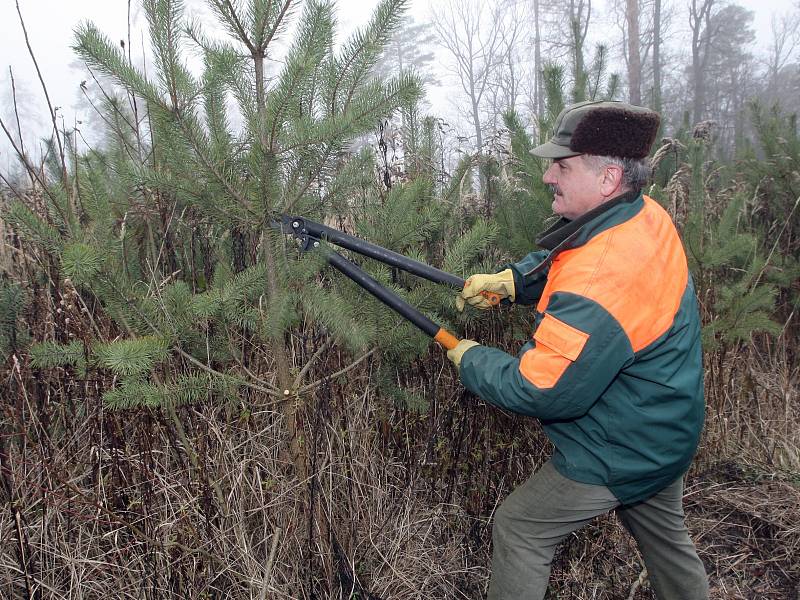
(483,290)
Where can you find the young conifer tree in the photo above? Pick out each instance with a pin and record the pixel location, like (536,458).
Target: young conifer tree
(523,204)
(164,234)
(168,227)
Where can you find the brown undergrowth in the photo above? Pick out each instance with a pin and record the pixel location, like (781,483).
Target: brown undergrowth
(396,504)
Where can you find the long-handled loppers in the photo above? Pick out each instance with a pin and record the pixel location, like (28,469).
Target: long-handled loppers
(310,234)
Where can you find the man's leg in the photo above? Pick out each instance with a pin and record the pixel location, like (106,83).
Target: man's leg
(529,525)
(674,569)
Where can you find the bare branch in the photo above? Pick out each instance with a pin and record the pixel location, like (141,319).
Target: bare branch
(47,97)
(349,367)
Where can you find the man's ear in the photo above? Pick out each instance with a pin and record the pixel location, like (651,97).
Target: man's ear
(611,183)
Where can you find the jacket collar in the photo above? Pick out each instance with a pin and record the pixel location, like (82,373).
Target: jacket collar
(564,229)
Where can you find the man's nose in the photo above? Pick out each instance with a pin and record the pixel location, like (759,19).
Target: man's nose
(548,175)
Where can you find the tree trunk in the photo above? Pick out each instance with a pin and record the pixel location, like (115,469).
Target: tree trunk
(699,18)
(578,31)
(634,58)
(657,55)
(278,348)
(578,70)
(479,147)
(537,63)
(699,87)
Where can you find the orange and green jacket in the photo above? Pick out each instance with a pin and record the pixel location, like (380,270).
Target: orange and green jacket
(614,369)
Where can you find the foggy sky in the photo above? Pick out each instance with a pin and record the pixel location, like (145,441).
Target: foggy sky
(51,24)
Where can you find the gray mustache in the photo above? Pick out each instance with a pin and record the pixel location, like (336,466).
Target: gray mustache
(554,188)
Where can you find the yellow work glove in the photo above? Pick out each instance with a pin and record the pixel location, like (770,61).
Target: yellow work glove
(500,284)
(455,354)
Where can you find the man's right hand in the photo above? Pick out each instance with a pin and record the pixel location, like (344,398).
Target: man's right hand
(481,289)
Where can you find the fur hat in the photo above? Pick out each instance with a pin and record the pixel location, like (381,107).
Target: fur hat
(603,129)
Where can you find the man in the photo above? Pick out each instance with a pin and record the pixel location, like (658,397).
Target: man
(614,368)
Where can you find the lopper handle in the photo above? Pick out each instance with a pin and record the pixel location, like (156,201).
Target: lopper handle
(446,339)
(491,297)
(300,226)
(390,299)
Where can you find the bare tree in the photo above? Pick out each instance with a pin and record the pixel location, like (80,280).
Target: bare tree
(410,47)
(466,30)
(657,37)
(545,26)
(538,67)
(783,47)
(504,88)
(700,19)
(729,59)
(634,58)
(558,30)
(580,11)
(645,28)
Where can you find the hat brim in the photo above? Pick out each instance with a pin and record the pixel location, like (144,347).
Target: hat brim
(551,150)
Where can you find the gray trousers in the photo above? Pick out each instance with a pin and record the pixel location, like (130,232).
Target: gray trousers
(544,510)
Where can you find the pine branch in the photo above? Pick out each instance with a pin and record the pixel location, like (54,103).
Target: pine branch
(775,244)
(212,168)
(31,225)
(362,50)
(81,262)
(276,27)
(301,62)
(134,356)
(97,51)
(259,386)
(48,354)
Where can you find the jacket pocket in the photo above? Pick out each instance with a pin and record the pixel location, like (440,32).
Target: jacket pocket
(558,345)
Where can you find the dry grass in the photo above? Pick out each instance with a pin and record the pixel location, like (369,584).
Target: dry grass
(748,532)
(109,501)
(112,502)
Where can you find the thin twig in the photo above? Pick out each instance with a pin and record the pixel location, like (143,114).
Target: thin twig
(47,97)
(13,189)
(131,95)
(16,115)
(349,367)
(273,551)
(23,558)
(638,583)
(263,387)
(309,363)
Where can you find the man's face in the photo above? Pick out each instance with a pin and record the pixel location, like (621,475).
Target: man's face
(576,186)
